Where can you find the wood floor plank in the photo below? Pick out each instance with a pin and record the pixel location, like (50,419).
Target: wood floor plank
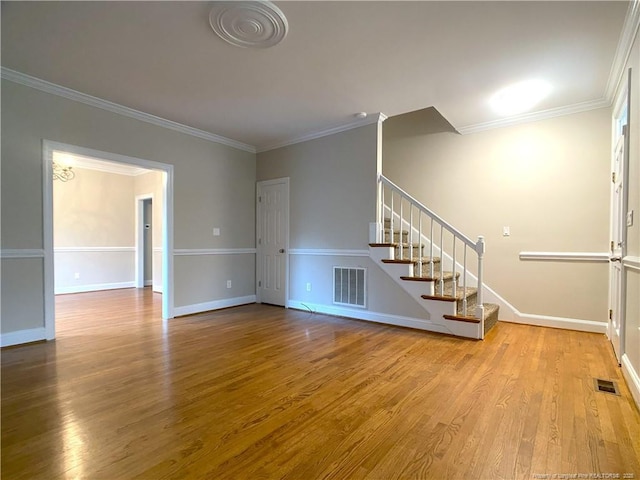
(260,392)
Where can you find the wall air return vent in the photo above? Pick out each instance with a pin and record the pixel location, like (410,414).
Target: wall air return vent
(350,286)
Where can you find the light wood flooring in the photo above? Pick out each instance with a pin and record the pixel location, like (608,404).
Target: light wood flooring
(260,392)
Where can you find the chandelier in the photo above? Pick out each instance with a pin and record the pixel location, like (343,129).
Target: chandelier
(64,174)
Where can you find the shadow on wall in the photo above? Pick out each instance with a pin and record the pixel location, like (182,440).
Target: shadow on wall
(416,124)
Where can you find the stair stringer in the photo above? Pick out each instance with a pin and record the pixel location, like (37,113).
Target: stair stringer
(435,309)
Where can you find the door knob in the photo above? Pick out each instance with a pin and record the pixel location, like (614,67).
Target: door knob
(615,259)
(281,250)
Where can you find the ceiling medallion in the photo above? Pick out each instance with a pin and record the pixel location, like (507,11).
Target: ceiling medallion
(249,24)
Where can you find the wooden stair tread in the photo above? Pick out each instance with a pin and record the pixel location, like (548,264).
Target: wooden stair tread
(440,297)
(450,298)
(399,262)
(461,318)
(425,260)
(436,278)
(489,309)
(383,244)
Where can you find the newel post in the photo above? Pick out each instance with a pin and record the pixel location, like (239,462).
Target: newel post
(379,226)
(479,305)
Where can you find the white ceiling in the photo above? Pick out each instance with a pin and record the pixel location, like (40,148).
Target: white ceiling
(338,58)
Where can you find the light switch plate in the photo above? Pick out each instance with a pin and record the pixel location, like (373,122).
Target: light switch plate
(630,218)
(216,231)
(506,231)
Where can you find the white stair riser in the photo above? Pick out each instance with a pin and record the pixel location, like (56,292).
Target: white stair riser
(417,289)
(436,309)
(378,254)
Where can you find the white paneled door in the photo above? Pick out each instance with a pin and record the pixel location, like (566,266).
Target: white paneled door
(619,205)
(615,256)
(272,241)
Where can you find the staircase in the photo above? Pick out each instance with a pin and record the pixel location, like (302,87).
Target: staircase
(427,257)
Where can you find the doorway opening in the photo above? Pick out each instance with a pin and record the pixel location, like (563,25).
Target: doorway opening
(148,269)
(94,239)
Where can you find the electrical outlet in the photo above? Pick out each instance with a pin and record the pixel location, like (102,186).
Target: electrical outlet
(228,283)
(308,287)
(216,231)
(76,275)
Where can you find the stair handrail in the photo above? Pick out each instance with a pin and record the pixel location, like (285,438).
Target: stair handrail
(432,214)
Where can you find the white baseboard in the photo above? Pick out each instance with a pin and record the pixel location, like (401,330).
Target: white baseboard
(93,288)
(558,322)
(22,336)
(397,320)
(213,305)
(632,378)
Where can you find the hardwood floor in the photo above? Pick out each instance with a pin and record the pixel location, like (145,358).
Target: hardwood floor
(259,392)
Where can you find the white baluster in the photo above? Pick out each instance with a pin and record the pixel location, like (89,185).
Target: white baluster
(454,282)
(464,281)
(411,232)
(401,227)
(480,306)
(431,250)
(419,242)
(380,233)
(391,219)
(441,257)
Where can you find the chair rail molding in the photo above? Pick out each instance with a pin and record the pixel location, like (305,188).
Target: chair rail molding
(22,253)
(566,256)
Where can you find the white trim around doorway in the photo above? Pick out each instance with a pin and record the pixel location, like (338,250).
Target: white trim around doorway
(48,147)
(139,272)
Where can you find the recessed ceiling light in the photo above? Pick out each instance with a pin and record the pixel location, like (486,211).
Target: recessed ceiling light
(519,97)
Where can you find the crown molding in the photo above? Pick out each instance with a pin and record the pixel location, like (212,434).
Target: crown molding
(370,119)
(625,43)
(52,88)
(623,51)
(536,116)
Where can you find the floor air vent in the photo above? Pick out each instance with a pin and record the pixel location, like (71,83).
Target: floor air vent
(349,286)
(606,386)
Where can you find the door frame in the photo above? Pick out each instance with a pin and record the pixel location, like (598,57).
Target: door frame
(618,305)
(139,261)
(259,185)
(48,147)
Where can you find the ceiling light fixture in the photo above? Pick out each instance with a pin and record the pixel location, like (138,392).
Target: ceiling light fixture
(249,24)
(62,173)
(361,115)
(519,97)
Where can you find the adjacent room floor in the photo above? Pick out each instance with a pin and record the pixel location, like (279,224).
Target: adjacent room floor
(260,392)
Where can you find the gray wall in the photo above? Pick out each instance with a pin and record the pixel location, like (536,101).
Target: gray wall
(332,190)
(214,185)
(332,202)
